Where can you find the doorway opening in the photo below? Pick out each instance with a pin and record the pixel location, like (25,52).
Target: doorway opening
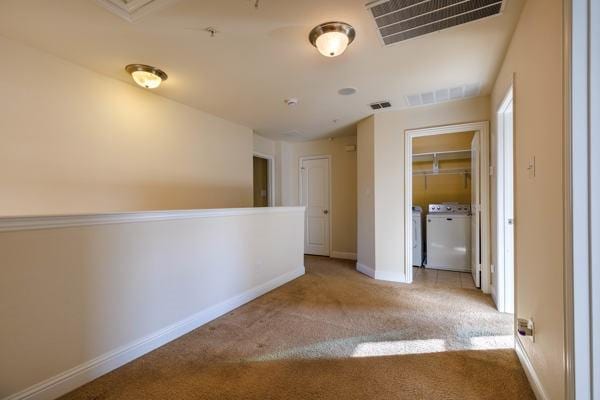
(447,200)
(263,180)
(503,276)
(315,195)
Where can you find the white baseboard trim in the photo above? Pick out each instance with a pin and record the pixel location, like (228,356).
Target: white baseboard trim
(343,255)
(75,377)
(365,270)
(532,376)
(391,276)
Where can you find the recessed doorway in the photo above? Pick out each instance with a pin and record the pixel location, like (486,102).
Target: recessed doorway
(263,180)
(455,199)
(315,195)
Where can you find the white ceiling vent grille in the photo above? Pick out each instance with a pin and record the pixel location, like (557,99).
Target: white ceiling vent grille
(443,95)
(399,20)
(132,10)
(293,136)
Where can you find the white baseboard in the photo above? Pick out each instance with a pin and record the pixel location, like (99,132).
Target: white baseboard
(365,270)
(75,377)
(532,376)
(391,276)
(343,255)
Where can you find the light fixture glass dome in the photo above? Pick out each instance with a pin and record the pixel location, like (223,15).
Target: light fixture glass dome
(332,38)
(146,76)
(332,44)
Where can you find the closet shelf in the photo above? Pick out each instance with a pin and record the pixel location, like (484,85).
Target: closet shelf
(442,155)
(448,171)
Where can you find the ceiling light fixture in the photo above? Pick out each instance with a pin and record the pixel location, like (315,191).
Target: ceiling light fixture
(146,76)
(332,38)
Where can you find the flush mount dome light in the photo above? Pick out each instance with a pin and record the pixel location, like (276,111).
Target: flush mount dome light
(332,38)
(146,76)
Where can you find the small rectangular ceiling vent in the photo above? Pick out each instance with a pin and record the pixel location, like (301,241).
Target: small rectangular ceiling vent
(132,10)
(380,104)
(443,95)
(399,20)
(293,136)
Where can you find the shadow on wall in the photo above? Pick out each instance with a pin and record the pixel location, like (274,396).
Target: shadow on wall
(64,198)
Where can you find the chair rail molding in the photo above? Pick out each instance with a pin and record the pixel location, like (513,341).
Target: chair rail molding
(8,224)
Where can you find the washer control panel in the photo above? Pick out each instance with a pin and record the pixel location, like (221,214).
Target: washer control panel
(449,208)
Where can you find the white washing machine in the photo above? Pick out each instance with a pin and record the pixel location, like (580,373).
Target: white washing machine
(449,237)
(417,236)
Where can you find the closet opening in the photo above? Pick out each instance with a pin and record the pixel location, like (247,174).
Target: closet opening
(447,205)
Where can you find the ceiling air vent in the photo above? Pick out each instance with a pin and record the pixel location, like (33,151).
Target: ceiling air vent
(443,95)
(399,20)
(132,10)
(380,104)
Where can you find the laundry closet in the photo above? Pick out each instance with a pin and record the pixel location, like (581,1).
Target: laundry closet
(442,194)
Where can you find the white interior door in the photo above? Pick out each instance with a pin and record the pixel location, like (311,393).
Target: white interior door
(475,210)
(508,200)
(314,195)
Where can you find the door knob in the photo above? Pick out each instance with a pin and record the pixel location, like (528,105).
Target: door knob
(325,212)
(511,221)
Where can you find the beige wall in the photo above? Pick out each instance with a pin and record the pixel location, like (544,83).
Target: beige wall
(343,186)
(72,294)
(343,182)
(365,193)
(442,188)
(388,175)
(535,59)
(74,141)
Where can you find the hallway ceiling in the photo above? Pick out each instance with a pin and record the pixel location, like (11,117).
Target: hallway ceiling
(261,56)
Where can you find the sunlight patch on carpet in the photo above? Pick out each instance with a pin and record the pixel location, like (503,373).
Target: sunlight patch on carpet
(399,347)
(492,342)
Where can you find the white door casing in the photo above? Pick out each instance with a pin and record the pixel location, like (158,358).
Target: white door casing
(507,268)
(475,210)
(315,196)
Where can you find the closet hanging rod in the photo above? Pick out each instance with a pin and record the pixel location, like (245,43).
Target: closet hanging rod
(462,171)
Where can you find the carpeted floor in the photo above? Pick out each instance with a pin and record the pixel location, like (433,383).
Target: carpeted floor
(337,334)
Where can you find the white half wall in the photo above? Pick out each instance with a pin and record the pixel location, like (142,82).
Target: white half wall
(82,295)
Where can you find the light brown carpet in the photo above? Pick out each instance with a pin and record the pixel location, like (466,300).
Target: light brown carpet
(336,334)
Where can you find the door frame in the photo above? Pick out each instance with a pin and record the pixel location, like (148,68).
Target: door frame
(582,193)
(318,157)
(483,128)
(500,271)
(271,178)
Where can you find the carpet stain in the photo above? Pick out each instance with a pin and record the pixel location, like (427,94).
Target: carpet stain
(335,334)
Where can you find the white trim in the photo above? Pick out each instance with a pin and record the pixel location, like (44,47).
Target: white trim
(343,255)
(391,276)
(73,378)
(532,377)
(330,172)
(271,170)
(483,128)
(363,269)
(500,270)
(582,220)
(8,224)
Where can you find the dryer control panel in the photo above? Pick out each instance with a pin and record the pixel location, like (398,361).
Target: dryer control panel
(449,208)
